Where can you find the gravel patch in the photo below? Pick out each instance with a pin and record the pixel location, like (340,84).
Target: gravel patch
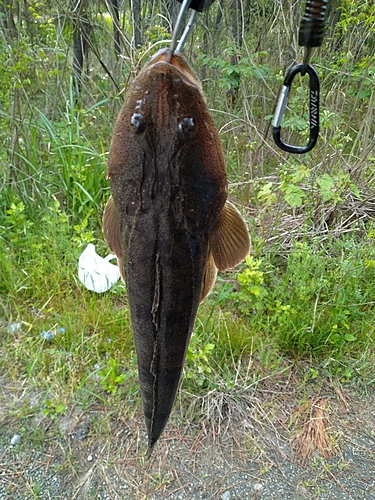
(101,455)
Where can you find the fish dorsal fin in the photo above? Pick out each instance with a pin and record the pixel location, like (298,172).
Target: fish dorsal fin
(229,238)
(209,278)
(112,233)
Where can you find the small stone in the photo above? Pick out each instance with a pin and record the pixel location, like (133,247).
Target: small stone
(15,440)
(89,458)
(225,495)
(258,486)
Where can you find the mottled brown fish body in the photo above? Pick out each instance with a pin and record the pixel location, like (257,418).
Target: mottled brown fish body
(168,182)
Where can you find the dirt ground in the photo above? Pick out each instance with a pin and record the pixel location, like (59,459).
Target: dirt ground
(272,447)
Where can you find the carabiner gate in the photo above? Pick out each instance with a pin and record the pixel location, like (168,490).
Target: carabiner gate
(314,109)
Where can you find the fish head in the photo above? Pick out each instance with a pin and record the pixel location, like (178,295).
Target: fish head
(166,137)
(165,98)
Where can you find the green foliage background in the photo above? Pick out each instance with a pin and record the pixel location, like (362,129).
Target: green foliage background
(307,290)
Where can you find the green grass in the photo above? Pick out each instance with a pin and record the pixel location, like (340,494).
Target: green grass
(312,304)
(320,300)
(315,302)
(306,295)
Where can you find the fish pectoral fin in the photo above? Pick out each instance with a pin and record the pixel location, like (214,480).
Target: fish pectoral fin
(229,238)
(111,227)
(209,278)
(112,233)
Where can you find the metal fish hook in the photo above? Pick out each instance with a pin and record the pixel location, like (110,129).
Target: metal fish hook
(187,30)
(196,6)
(184,7)
(314,109)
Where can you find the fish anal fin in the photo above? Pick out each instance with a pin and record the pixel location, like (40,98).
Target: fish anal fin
(209,278)
(229,238)
(112,233)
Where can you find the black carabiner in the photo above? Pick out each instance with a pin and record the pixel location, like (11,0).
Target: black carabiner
(314,109)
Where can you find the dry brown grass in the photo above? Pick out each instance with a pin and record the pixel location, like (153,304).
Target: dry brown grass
(236,443)
(284,225)
(314,436)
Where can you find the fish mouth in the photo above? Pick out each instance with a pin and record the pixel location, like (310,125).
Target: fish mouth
(178,61)
(162,55)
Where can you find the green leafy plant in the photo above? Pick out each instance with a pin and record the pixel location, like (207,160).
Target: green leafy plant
(308,303)
(17,225)
(109,376)
(198,356)
(253,291)
(80,169)
(244,67)
(299,189)
(294,195)
(54,409)
(333,188)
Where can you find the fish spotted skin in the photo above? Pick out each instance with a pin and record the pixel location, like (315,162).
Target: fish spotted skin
(169,189)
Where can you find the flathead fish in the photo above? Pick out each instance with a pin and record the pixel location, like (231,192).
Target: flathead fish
(168,221)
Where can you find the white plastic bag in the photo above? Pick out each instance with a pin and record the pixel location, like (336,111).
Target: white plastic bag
(95,273)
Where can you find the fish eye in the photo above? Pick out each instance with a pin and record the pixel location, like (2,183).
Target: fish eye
(186,126)
(137,121)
